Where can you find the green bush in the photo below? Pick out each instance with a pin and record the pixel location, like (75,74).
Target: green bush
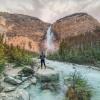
(19,56)
(2,58)
(80,85)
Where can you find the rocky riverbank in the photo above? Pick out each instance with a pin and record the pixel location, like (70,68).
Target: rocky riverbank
(15,81)
(23,83)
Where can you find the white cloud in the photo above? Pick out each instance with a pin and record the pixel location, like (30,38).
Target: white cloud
(51,10)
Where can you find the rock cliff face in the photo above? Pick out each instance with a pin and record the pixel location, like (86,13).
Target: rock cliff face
(75,24)
(30,33)
(23,31)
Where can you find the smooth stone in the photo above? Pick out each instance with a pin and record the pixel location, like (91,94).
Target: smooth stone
(19,94)
(53,86)
(12,80)
(47,75)
(24,78)
(26,71)
(27,83)
(33,80)
(1,88)
(9,89)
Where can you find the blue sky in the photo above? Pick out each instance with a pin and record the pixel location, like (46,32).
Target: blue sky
(51,10)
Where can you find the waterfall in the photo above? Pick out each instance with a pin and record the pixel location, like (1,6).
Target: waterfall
(49,40)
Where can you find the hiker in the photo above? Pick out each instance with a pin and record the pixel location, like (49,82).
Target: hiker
(42,57)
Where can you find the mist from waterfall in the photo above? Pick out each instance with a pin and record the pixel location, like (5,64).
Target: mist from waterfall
(49,40)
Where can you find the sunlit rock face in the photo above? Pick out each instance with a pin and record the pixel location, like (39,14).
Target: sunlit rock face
(23,31)
(35,35)
(24,43)
(73,25)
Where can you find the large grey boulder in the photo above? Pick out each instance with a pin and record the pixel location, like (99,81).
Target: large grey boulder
(19,94)
(12,80)
(9,89)
(47,75)
(27,83)
(1,88)
(26,71)
(33,80)
(52,86)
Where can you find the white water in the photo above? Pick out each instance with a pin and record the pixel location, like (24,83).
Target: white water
(93,77)
(49,40)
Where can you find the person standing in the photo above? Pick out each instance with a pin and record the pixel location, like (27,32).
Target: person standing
(42,57)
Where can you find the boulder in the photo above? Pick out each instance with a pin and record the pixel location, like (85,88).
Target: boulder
(33,80)
(9,89)
(10,70)
(52,86)
(19,94)
(20,77)
(12,80)
(1,88)
(27,83)
(47,75)
(26,72)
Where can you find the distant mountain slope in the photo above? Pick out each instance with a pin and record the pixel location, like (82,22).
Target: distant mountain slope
(29,32)
(75,24)
(22,30)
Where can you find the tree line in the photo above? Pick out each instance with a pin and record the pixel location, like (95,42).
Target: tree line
(84,48)
(11,54)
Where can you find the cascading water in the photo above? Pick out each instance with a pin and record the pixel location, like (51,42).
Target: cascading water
(49,40)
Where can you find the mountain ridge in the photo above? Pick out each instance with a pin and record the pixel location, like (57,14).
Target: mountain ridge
(75,24)
(30,32)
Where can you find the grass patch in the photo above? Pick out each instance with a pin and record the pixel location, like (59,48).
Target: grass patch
(79,86)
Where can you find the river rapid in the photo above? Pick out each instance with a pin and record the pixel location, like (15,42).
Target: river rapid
(90,73)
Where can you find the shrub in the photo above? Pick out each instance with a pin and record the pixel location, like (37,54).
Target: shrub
(19,56)
(82,90)
(2,58)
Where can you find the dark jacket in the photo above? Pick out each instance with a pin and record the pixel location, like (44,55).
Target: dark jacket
(42,57)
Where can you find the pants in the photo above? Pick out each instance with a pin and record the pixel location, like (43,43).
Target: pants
(43,63)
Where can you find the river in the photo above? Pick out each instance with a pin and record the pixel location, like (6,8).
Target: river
(64,69)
